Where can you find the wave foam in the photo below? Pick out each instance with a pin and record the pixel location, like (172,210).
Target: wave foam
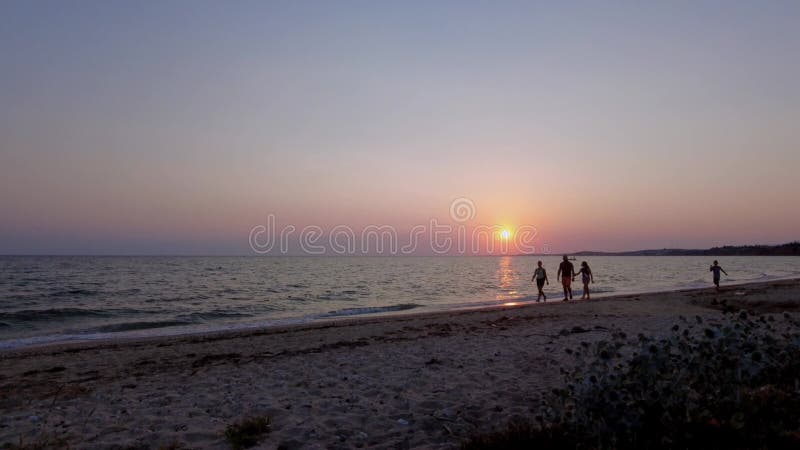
(370,310)
(131,326)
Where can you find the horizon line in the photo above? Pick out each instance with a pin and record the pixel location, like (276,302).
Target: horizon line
(239,255)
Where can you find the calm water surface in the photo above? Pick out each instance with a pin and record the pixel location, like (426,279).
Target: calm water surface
(51,299)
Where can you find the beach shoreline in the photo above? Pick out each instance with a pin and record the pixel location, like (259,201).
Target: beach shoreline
(416,379)
(281,325)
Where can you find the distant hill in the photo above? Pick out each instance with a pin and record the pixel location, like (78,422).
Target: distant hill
(790,249)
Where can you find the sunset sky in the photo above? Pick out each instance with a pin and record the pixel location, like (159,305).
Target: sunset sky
(176,127)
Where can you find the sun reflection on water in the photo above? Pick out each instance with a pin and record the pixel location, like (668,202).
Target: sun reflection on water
(505,276)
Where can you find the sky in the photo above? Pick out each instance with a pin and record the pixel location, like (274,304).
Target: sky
(176,127)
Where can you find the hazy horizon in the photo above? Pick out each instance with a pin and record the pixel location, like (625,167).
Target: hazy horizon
(177,127)
(389,255)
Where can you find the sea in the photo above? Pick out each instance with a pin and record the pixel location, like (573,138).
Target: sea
(54,299)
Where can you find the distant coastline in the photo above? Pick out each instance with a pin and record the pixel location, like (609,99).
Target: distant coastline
(788,249)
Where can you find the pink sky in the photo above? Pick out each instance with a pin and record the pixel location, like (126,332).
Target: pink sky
(166,130)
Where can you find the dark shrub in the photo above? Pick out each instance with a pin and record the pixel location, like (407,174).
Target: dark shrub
(733,383)
(247,433)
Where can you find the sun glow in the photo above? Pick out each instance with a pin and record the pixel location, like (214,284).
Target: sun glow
(504,234)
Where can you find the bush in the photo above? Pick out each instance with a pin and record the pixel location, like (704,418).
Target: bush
(248,432)
(730,384)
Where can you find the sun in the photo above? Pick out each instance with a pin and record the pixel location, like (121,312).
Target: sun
(505,234)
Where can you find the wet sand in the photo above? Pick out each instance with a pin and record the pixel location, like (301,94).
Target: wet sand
(422,380)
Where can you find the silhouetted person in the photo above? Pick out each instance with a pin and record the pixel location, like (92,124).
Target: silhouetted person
(717,269)
(566,270)
(540,276)
(586,277)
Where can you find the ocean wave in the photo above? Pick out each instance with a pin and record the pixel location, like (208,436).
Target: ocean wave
(227,291)
(126,291)
(19,297)
(132,326)
(763,277)
(212,315)
(335,297)
(347,295)
(596,290)
(73,293)
(522,299)
(697,282)
(370,310)
(187,298)
(34,315)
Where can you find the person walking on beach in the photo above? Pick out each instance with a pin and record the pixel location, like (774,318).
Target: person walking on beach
(586,277)
(540,275)
(566,270)
(717,269)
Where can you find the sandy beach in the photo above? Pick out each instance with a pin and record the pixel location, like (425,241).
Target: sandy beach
(424,380)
